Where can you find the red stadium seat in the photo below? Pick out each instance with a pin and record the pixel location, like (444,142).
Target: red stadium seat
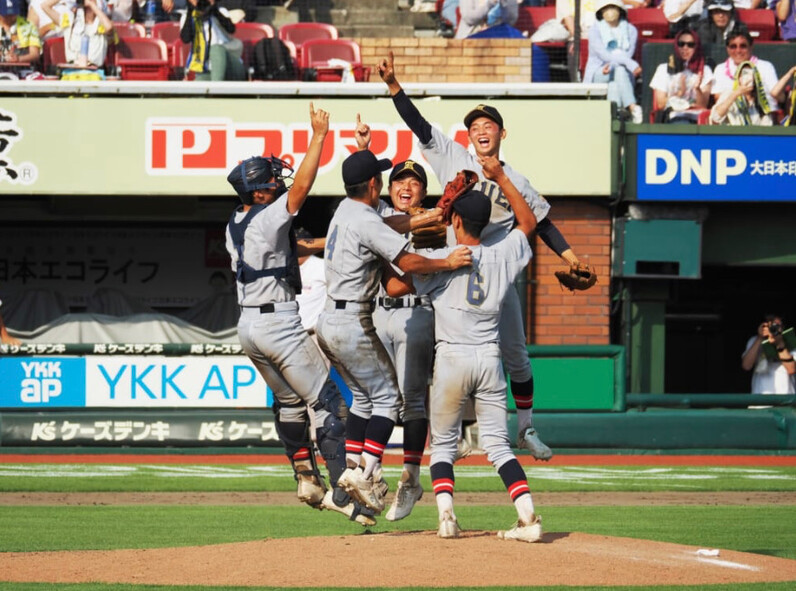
(316,54)
(298,33)
(52,55)
(530,18)
(250,34)
(650,22)
(127,29)
(142,59)
(169,31)
(762,23)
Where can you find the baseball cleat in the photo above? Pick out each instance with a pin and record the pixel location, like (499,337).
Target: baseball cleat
(379,482)
(463,450)
(528,439)
(310,488)
(448,526)
(350,509)
(405,498)
(524,533)
(362,489)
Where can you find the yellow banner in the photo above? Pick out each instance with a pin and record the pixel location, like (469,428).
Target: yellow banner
(186,146)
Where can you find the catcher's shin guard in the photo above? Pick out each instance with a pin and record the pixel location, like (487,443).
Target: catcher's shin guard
(331,435)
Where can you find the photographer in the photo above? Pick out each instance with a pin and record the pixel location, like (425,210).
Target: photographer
(85,23)
(770,377)
(215,52)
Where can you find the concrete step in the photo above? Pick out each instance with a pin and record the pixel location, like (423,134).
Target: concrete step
(375,31)
(365,17)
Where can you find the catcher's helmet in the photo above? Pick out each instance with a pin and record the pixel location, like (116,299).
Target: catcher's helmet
(258,173)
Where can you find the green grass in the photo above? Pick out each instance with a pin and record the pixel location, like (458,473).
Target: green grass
(150,478)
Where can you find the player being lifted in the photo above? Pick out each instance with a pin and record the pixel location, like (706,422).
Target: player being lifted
(467,308)
(446,157)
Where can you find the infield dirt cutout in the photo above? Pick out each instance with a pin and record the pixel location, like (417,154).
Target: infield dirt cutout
(417,558)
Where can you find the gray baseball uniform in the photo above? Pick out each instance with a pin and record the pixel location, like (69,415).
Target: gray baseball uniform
(467,309)
(357,243)
(406,328)
(446,158)
(275,340)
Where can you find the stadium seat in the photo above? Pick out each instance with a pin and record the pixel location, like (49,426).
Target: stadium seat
(298,33)
(530,18)
(169,32)
(142,59)
(126,29)
(52,55)
(650,22)
(762,23)
(316,54)
(250,34)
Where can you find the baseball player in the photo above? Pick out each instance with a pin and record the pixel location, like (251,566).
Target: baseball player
(357,242)
(264,256)
(446,157)
(467,309)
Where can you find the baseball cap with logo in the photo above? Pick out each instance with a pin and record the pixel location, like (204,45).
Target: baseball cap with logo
(483,111)
(474,206)
(362,166)
(725,5)
(9,7)
(410,167)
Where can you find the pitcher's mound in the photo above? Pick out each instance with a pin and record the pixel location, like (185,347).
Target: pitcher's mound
(405,559)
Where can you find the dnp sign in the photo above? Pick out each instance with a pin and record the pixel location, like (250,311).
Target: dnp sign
(716,168)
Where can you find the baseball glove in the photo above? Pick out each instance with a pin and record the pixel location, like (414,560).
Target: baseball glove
(578,277)
(461,183)
(432,236)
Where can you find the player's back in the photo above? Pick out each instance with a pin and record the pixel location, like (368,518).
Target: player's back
(467,302)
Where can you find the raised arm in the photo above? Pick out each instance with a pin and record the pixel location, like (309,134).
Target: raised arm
(403,104)
(306,173)
(409,262)
(778,91)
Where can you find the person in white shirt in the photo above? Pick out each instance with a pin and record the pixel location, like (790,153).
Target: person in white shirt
(770,377)
(739,50)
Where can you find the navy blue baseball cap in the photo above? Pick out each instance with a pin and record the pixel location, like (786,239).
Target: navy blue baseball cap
(474,206)
(362,166)
(409,167)
(9,7)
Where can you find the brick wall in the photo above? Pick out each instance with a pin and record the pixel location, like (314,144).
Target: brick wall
(561,317)
(435,59)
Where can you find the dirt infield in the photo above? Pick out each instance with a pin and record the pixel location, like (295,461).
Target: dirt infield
(477,559)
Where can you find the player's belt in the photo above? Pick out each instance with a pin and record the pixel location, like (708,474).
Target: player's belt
(273,307)
(351,305)
(405,302)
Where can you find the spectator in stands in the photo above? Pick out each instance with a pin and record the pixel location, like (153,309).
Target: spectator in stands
(682,14)
(477,15)
(19,40)
(746,103)
(448,19)
(565,14)
(720,21)
(215,52)
(787,87)
(681,86)
(770,376)
(5,338)
(739,49)
(751,4)
(786,16)
(612,43)
(36,15)
(88,21)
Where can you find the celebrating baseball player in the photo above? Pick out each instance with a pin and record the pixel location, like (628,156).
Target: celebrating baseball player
(446,157)
(357,243)
(264,255)
(467,309)
(406,326)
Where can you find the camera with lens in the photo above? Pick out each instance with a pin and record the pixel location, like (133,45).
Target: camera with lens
(775,328)
(203,5)
(80,3)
